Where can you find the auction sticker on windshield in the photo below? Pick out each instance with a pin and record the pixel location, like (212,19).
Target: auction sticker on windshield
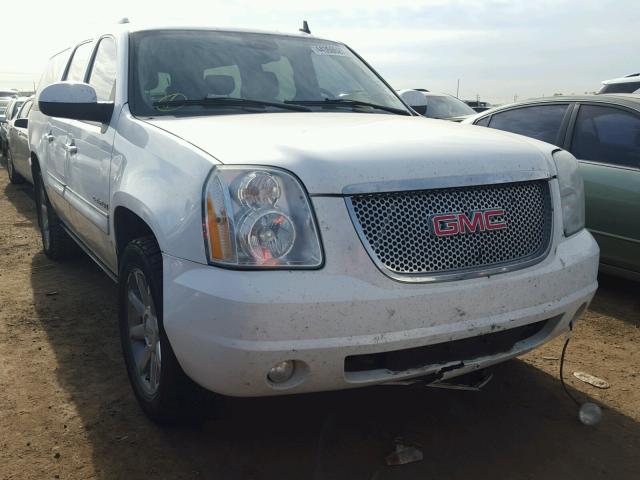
(327,49)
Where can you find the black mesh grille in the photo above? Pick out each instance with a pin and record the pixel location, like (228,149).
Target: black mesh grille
(398,227)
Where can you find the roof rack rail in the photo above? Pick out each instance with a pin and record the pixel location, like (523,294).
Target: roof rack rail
(632,75)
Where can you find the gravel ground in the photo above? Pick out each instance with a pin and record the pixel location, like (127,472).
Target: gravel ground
(66,409)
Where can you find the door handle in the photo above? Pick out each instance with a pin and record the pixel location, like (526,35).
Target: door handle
(70,148)
(48,137)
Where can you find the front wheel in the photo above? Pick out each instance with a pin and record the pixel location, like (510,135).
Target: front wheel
(163,390)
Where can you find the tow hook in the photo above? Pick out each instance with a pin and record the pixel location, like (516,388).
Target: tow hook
(473,381)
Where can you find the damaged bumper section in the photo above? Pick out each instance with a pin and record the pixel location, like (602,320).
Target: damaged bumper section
(347,325)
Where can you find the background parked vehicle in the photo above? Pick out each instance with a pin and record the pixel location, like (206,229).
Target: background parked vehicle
(445,107)
(11,111)
(18,153)
(603,132)
(627,84)
(4,103)
(478,106)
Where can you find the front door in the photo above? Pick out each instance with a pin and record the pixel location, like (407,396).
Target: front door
(90,160)
(606,142)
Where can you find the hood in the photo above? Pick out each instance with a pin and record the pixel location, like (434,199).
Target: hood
(332,151)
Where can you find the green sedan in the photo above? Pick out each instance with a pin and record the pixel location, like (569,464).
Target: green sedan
(603,132)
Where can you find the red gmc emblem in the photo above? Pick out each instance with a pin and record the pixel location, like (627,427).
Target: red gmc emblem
(445,224)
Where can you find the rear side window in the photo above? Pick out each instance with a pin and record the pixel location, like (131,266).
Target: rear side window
(55,68)
(26,108)
(607,135)
(15,109)
(541,122)
(79,61)
(103,71)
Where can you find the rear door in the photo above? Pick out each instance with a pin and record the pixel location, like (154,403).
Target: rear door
(606,141)
(40,133)
(90,159)
(60,135)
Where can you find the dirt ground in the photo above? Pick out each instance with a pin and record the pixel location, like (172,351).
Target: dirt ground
(66,409)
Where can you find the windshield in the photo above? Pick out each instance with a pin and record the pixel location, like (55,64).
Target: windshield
(180,72)
(3,107)
(442,106)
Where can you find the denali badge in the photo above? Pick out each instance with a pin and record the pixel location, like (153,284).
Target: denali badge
(445,224)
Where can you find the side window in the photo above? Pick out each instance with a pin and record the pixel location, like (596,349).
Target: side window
(541,122)
(54,70)
(26,108)
(103,70)
(484,122)
(608,135)
(79,61)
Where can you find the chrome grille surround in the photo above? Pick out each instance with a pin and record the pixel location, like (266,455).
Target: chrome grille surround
(395,229)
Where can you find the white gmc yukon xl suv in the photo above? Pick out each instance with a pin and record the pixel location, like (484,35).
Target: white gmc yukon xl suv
(280,221)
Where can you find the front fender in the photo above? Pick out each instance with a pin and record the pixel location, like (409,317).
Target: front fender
(160,177)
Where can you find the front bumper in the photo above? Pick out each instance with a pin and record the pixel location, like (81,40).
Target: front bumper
(228,328)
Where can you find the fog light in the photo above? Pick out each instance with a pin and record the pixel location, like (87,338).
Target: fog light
(281,372)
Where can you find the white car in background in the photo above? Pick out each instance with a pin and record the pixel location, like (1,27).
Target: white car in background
(443,106)
(627,84)
(279,221)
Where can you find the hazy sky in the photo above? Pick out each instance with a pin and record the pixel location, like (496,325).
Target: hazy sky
(497,48)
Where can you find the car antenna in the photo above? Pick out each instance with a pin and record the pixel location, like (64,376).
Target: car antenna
(124,20)
(305,27)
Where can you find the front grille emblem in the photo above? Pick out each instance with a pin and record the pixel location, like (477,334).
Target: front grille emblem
(445,224)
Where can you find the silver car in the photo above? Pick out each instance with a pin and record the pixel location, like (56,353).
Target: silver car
(11,109)
(17,156)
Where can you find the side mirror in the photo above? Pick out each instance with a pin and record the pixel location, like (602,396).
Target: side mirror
(77,101)
(415,100)
(21,123)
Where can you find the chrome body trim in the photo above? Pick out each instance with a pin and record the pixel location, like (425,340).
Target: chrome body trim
(446,182)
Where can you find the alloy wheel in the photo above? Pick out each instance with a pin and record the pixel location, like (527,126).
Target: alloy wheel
(144,333)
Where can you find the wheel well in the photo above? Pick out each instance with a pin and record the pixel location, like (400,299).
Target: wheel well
(128,226)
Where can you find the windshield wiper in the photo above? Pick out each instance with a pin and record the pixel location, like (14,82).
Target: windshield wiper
(347,103)
(227,102)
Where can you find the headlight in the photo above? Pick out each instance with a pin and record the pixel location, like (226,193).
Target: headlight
(571,192)
(259,217)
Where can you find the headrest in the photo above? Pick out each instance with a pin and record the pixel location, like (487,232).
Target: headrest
(222,85)
(262,86)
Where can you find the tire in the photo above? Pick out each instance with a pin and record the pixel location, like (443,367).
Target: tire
(163,390)
(14,177)
(56,243)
